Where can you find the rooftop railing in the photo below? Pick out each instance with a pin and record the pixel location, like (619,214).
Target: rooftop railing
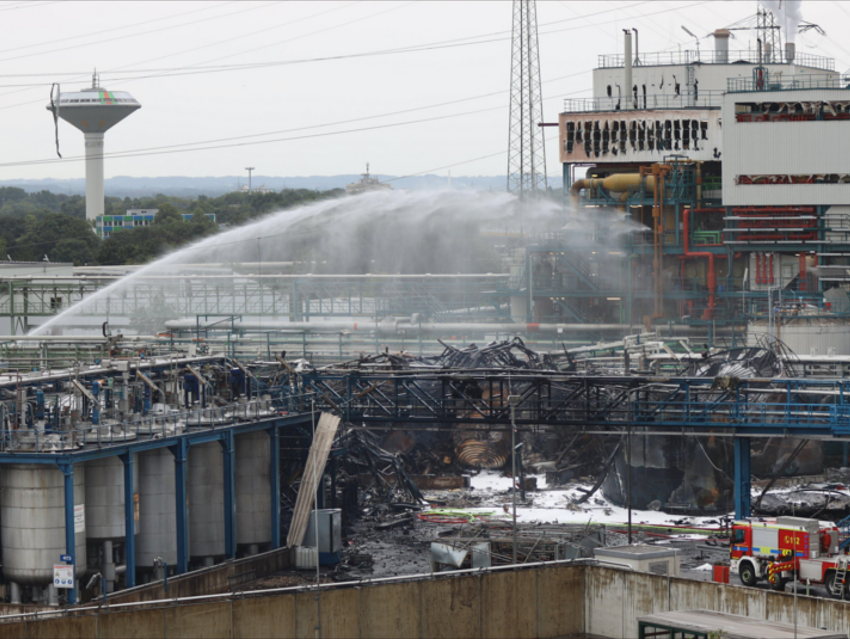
(670,58)
(796,83)
(686,100)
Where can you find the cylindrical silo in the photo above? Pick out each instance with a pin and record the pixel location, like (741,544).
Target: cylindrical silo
(32,520)
(105,498)
(253,488)
(157,509)
(206,501)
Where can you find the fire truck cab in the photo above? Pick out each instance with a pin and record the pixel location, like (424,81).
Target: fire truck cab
(779,548)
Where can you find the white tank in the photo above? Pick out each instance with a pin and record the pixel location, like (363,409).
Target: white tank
(253,488)
(206,500)
(105,498)
(32,520)
(157,536)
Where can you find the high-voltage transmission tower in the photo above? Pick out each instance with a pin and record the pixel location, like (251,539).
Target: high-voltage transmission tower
(526,155)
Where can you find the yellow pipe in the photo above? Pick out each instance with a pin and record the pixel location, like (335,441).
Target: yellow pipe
(616,183)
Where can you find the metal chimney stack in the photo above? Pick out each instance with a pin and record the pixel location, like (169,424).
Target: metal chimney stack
(721,45)
(790,52)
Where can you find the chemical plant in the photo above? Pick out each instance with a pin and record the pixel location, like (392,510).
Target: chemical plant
(651,394)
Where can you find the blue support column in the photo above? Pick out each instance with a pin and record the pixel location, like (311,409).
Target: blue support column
(742,477)
(129,521)
(274,475)
(229,497)
(181,457)
(70,544)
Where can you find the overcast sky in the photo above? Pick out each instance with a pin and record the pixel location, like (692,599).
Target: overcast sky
(170,56)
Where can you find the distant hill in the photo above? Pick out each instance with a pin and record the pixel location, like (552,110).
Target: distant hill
(189,187)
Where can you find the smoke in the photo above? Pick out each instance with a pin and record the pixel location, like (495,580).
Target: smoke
(789,15)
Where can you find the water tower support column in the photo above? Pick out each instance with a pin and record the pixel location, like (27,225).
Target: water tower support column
(129,522)
(94,175)
(274,475)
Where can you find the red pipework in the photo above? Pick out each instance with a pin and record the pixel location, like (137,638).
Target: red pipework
(712,276)
(770,279)
(801,278)
(758,268)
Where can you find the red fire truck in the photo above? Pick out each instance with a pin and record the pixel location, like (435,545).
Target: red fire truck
(777,548)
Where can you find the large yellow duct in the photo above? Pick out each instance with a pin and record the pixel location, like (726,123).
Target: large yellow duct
(616,183)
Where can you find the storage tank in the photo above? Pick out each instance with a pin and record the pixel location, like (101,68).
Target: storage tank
(157,536)
(804,334)
(32,520)
(206,501)
(105,498)
(253,489)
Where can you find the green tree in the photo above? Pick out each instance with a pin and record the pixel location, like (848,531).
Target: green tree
(167,213)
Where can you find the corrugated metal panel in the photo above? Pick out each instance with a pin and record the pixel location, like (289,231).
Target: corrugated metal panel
(784,148)
(313,469)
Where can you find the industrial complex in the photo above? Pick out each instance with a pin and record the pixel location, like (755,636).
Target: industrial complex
(635,422)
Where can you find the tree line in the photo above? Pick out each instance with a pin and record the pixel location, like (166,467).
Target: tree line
(45,225)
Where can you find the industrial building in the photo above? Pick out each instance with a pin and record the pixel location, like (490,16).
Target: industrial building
(715,190)
(186,421)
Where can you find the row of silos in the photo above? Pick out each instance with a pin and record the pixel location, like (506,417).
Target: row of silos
(32,510)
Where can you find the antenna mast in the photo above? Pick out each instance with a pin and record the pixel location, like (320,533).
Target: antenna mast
(526,156)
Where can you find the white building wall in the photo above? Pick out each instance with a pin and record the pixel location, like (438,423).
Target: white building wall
(784,148)
(661,80)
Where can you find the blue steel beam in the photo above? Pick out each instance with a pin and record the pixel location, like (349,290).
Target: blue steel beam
(181,458)
(70,534)
(227,448)
(274,474)
(742,477)
(129,521)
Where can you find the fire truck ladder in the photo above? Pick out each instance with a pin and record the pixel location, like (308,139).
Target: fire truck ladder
(837,585)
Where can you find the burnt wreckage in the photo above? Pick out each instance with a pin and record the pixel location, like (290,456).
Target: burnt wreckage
(451,413)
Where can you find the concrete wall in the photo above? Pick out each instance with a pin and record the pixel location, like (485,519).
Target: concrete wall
(209,580)
(548,601)
(614,600)
(542,602)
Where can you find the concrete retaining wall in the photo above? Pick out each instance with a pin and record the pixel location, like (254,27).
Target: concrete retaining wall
(542,601)
(208,580)
(614,599)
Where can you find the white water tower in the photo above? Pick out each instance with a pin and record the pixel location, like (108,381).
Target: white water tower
(93,111)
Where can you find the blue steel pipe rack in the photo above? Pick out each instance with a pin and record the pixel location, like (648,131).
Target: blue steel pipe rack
(739,408)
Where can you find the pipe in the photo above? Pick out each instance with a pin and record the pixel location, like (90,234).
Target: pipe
(758,268)
(712,275)
(627,80)
(770,278)
(616,183)
(801,278)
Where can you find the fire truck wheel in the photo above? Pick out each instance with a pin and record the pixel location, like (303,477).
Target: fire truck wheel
(779,584)
(747,573)
(828,582)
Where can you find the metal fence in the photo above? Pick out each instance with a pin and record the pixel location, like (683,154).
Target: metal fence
(685,100)
(746,56)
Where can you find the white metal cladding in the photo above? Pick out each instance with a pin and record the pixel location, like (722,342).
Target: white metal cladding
(662,80)
(804,338)
(784,148)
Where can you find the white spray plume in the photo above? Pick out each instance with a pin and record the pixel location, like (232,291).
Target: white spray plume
(789,15)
